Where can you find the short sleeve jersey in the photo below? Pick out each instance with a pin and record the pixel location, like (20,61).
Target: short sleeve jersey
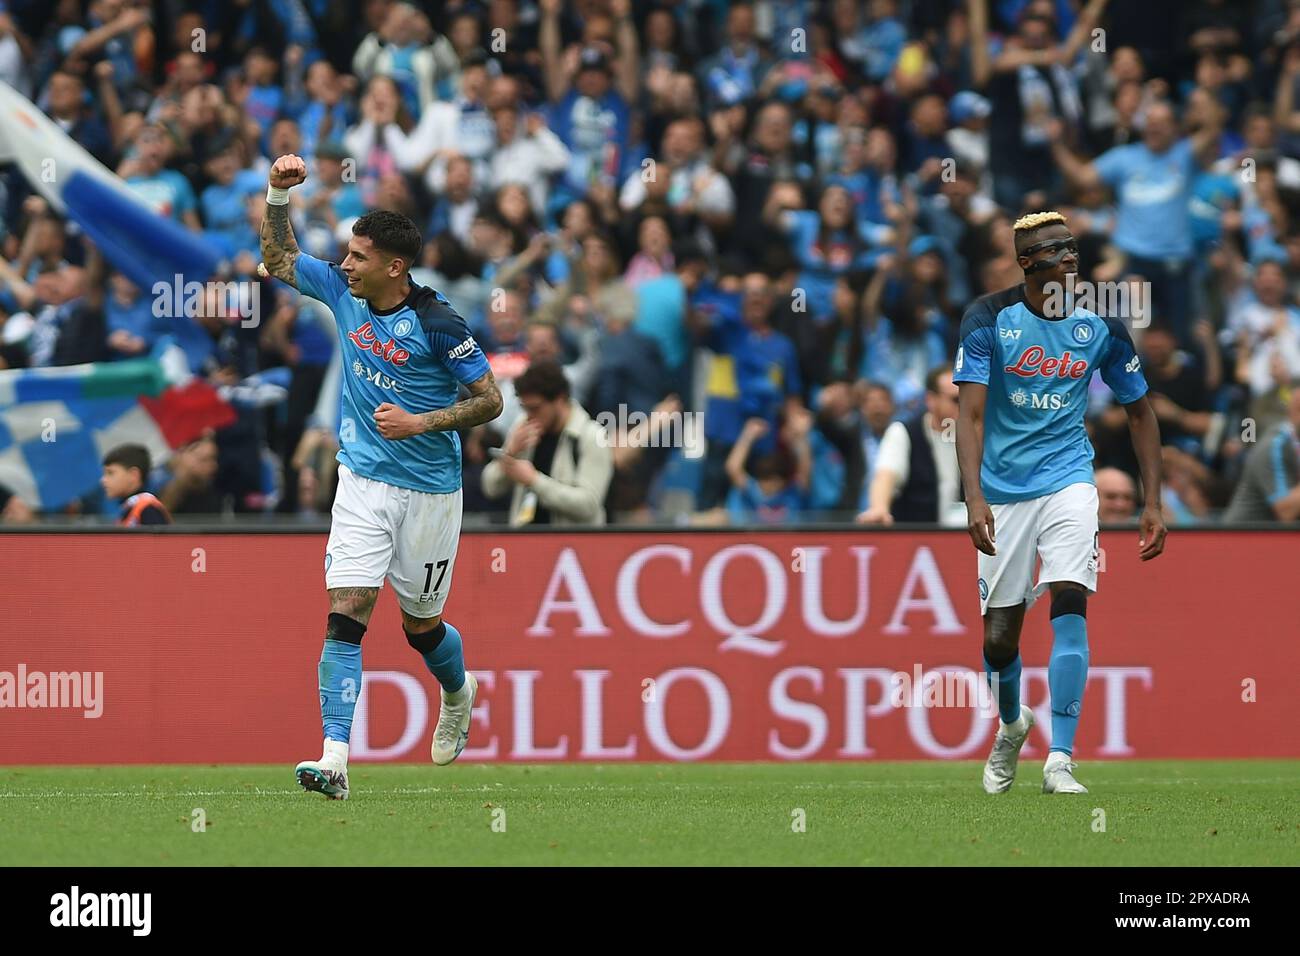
(1037,371)
(414,356)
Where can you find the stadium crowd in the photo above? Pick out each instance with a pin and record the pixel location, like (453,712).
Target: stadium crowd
(763,220)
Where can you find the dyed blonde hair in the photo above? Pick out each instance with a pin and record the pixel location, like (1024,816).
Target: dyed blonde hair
(1027,225)
(1037,220)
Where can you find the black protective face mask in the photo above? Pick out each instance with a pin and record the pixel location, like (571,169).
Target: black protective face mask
(1060,247)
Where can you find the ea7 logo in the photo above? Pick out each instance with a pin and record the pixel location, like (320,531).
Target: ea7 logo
(1010,333)
(1133,365)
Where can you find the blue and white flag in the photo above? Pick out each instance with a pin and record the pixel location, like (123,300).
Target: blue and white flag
(136,240)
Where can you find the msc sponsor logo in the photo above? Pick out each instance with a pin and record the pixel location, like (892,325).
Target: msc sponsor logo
(376,377)
(1035,361)
(1045,400)
(364,338)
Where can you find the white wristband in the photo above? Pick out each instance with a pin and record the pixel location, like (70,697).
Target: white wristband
(277,196)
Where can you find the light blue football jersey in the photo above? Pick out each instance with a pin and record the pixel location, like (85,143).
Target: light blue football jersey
(412,356)
(1037,371)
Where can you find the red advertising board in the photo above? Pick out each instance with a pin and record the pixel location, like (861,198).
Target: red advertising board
(202,648)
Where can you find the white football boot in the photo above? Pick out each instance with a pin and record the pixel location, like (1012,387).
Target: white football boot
(1000,768)
(452,732)
(1058,775)
(328,775)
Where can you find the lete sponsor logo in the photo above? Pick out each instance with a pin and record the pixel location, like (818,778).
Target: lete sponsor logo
(1035,361)
(365,339)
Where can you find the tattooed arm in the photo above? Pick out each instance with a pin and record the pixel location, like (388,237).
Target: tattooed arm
(483,405)
(279,247)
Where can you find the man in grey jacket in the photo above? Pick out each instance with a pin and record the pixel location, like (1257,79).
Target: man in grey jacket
(556,459)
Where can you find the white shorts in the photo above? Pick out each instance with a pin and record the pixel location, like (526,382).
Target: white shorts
(381,531)
(1060,528)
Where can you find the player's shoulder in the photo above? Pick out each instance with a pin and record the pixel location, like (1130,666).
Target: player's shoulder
(1116,330)
(984,311)
(436,314)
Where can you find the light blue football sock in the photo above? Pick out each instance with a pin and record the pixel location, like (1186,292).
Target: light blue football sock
(340,685)
(1007,688)
(447,660)
(1067,674)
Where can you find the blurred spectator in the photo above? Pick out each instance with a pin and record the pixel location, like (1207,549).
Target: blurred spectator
(595,290)
(166,190)
(836,450)
(1029,84)
(66,103)
(735,72)
(775,488)
(915,478)
(526,154)
(1152,181)
(654,254)
(662,307)
(876,407)
(406,49)
(681,180)
(126,468)
(1177,389)
(1270,486)
(132,326)
(187,484)
(754,374)
(543,343)
(556,461)
(1268,333)
(1117,501)
(591,114)
(13,510)
(629,371)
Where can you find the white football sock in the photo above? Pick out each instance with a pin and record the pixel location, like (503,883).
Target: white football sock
(335,750)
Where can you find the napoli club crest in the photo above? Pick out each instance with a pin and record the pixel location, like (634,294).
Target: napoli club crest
(403,327)
(1082,333)
(984,590)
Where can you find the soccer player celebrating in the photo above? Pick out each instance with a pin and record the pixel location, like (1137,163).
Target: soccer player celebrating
(1024,361)
(397,511)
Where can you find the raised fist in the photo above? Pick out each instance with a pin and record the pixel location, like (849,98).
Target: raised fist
(289,170)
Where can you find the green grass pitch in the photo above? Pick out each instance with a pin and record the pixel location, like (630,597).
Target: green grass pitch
(1155,813)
